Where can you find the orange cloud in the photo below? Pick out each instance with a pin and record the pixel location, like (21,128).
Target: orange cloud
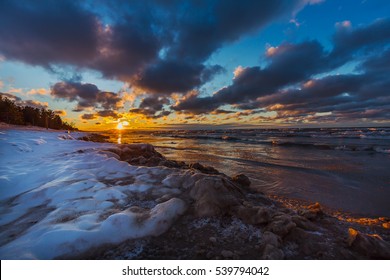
(15,90)
(38,91)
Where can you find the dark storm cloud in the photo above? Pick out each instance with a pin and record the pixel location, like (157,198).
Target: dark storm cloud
(204,26)
(368,38)
(104,113)
(288,64)
(86,95)
(344,96)
(47,32)
(161,46)
(152,107)
(175,76)
(107,113)
(88,116)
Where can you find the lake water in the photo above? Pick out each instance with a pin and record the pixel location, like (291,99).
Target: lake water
(347,169)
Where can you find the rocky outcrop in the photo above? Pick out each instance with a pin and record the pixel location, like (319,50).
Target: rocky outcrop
(306,232)
(214,196)
(370,245)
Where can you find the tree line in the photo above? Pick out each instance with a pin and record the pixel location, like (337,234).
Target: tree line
(12,113)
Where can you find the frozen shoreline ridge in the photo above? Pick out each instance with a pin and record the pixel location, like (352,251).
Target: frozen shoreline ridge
(61,198)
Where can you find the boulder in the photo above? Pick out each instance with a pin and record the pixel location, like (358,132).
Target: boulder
(304,223)
(214,196)
(270,238)
(369,245)
(312,212)
(255,215)
(227,254)
(242,180)
(204,169)
(271,252)
(281,225)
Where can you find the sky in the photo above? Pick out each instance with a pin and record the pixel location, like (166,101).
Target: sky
(186,64)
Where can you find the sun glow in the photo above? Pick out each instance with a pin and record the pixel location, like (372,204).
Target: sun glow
(119,126)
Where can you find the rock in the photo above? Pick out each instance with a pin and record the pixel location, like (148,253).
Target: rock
(270,238)
(213,196)
(213,240)
(139,154)
(227,254)
(94,137)
(164,198)
(281,225)
(370,245)
(242,180)
(170,163)
(255,215)
(153,161)
(312,211)
(210,255)
(304,223)
(204,169)
(271,252)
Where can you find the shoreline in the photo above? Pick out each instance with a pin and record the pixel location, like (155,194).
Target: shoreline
(225,218)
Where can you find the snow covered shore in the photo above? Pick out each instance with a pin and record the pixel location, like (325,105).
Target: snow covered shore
(61,197)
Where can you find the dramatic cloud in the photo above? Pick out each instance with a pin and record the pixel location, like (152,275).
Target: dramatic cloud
(38,91)
(286,84)
(88,116)
(47,32)
(86,95)
(174,76)
(288,64)
(161,49)
(152,107)
(348,41)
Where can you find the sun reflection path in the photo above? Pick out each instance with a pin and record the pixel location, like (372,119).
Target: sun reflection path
(119,138)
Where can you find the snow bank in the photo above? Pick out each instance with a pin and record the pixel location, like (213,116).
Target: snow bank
(61,197)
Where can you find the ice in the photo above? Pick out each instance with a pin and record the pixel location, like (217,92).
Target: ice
(63,196)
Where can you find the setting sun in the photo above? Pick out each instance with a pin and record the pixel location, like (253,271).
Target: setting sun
(119,126)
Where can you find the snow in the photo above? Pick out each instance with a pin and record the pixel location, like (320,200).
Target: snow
(60,197)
